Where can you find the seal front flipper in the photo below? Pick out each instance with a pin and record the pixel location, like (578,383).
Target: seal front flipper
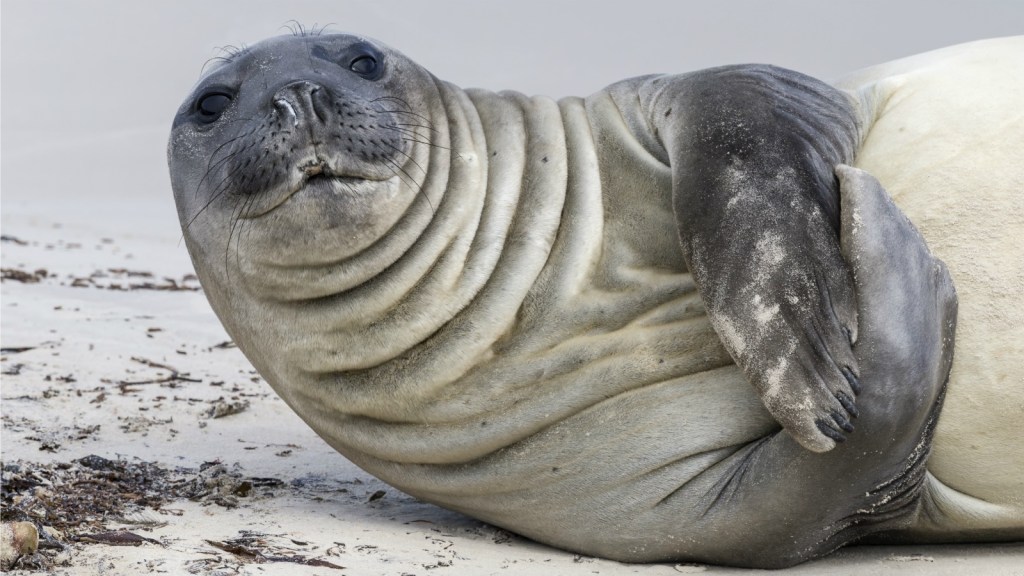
(752,151)
(773,504)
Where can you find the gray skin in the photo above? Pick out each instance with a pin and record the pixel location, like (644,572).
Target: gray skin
(548,315)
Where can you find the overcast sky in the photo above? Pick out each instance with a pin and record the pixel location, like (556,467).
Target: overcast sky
(89,88)
(100,64)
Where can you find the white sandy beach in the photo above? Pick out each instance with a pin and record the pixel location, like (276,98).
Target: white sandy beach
(111,349)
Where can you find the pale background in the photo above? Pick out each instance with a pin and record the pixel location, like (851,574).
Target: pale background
(88,90)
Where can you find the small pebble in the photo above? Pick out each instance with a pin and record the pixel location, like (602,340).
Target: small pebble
(17,539)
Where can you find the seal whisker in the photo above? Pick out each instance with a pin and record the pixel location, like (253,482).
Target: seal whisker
(398,99)
(405,176)
(410,181)
(211,165)
(402,107)
(220,163)
(235,213)
(227,245)
(218,191)
(408,126)
(236,223)
(431,128)
(407,138)
(243,226)
(409,129)
(323,28)
(201,210)
(222,59)
(222,188)
(411,136)
(414,114)
(295,27)
(403,153)
(227,55)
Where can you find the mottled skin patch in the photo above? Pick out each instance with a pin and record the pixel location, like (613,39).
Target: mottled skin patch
(752,150)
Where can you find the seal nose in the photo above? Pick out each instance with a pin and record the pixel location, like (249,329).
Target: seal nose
(302,101)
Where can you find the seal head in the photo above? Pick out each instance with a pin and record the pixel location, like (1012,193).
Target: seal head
(314,133)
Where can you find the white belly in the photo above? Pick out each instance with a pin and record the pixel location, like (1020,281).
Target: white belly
(948,143)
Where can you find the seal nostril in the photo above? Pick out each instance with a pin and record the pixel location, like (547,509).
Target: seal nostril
(302,100)
(283,104)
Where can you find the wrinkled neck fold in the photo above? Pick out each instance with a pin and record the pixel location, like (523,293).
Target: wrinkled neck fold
(459,264)
(537,288)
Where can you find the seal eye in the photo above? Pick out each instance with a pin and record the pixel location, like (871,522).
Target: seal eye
(211,106)
(365,66)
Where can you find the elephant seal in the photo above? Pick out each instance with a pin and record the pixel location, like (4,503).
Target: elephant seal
(548,315)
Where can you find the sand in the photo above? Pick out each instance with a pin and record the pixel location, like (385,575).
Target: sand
(111,350)
(106,336)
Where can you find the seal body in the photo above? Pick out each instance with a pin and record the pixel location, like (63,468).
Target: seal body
(945,141)
(527,310)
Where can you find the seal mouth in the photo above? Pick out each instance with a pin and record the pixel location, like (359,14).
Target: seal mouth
(321,177)
(320,173)
(324,168)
